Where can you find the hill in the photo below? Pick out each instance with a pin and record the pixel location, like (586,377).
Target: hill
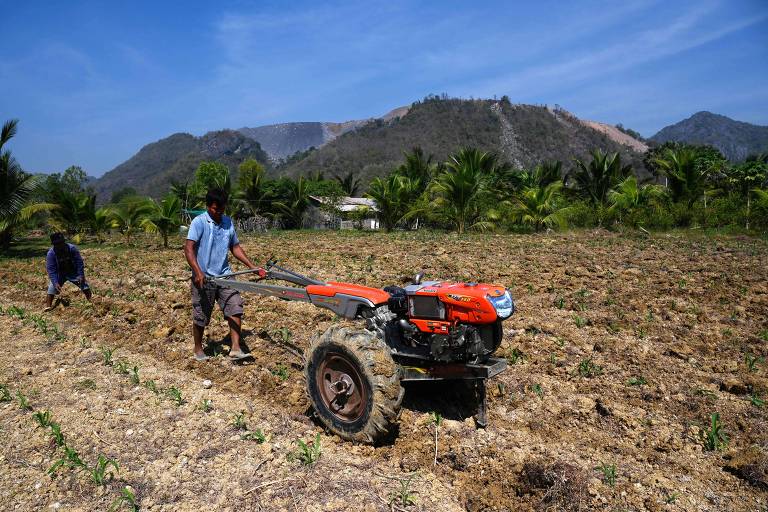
(151,170)
(280,141)
(735,139)
(523,134)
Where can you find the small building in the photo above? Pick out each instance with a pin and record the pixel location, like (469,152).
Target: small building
(351,213)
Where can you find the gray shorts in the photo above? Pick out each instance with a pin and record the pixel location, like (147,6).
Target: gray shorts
(229,300)
(83,285)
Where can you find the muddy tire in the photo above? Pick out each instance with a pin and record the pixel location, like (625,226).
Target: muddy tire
(353,384)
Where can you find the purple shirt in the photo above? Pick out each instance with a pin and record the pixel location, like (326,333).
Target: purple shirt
(56,274)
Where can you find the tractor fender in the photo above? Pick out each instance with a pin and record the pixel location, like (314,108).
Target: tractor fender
(348,306)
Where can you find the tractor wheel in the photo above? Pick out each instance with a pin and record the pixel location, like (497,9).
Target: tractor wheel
(353,384)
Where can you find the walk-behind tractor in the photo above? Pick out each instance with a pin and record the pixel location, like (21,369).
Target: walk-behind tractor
(427,330)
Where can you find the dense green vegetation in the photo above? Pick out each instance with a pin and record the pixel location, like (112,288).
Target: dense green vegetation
(693,186)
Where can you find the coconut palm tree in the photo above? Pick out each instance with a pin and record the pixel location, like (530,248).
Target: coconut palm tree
(460,190)
(101,222)
(540,207)
(293,207)
(130,214)
(17,189)
(252,192)
(594,179)
(349,183)
(540,176)
(165,217)
(630,195)
(74,212)
(686,179)
(394,196)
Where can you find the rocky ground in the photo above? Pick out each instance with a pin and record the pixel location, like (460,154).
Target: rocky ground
(623,348)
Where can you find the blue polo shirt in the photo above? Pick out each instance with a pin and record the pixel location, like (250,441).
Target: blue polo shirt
(212,243)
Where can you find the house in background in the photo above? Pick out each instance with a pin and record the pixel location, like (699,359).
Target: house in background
(352,213)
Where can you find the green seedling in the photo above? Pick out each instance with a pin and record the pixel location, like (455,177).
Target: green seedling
(23,401)
(256,435)
(281,372)
(71,459)
(43,418)
(752,361)
(308,454)
(16,311)
(637,381)
(239,421)
(206,405)
(560,303)
(107,354)
(671,497)
(714,437)
(5,393)
(609,473)
(404,496)
(580,321)
(538,390)
(285,334)
(123,367)
(100,473)
(84,342)
(175,395)
(516,356)
(588,369)
(150,385)
(134,375)
(56,436)
(755,400)
(127,497)
(763,335)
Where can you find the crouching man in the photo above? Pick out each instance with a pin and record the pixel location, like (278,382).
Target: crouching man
(210,237)
(64,263)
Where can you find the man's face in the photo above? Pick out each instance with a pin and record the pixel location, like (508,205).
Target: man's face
(60,246)
(215,210)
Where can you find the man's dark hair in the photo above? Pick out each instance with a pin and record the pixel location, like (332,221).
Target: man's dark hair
(216,195)
(57,238)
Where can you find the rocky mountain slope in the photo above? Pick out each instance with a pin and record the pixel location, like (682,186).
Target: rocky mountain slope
(151,170)
(283,140)
(524,135)
(735,139)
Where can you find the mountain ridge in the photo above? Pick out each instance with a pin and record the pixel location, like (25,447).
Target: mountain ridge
(735,139)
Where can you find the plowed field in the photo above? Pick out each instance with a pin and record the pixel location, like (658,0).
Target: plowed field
(621,351)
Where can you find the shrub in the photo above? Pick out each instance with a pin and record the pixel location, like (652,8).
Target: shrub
(582,214)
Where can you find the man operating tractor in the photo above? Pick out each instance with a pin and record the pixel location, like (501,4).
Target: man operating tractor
(210,237)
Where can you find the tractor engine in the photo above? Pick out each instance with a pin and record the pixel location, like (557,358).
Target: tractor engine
(447,322)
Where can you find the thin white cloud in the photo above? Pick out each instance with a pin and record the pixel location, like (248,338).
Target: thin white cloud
(683,34)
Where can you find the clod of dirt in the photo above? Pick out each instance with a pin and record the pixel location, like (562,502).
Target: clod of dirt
(733,386)
(751,465)
(565,485)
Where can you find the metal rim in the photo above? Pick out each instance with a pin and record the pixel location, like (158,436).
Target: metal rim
(342,387)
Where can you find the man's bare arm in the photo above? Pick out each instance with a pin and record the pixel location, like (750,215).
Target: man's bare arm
(189,253)
(239,253)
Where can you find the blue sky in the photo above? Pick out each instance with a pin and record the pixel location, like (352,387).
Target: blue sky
(92,82)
